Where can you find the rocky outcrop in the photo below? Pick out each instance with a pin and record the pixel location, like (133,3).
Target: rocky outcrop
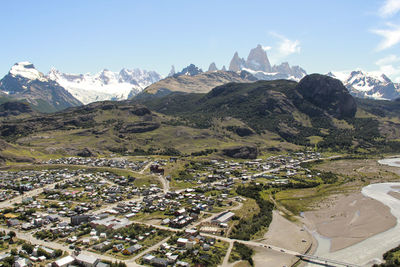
(329,94)
(242,152)
(138,127)
(86,152)
(190,70)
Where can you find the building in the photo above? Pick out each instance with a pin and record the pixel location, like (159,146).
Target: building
(86,260)
(112,222)
(223,217)
(158,262)
(132,249)
(78,219)
(22,262)
(63,262)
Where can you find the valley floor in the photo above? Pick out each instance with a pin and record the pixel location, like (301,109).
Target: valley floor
(347,220)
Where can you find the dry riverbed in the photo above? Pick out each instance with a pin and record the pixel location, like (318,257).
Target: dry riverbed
(347,220)
(285,234)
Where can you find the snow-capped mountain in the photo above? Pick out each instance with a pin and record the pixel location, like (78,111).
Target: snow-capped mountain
(24,82)
(258,65)
(368,84)
(105,85)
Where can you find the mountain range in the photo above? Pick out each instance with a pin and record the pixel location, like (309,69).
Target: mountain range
(57,90)
(105,85)
(368,84)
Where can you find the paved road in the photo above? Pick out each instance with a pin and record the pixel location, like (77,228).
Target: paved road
(32,193)
(145,167)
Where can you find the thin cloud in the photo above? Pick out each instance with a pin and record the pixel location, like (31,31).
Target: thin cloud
(266,48)
(387,65)
(387,60)
(286,46)
(391,36)
(389,8)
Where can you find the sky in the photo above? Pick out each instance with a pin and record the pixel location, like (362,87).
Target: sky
(88,36)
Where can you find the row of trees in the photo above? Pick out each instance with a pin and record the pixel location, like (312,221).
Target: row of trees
(246,227)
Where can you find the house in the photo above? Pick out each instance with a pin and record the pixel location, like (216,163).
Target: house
(86,260)
(78,219)
(132,249)
(182,264)
(148,258)
(182,242)
(102,264)
(118,247)
(22,262)
(159,262)
(63,262)
(12,222)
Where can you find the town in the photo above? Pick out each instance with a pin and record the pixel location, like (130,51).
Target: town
(166,212)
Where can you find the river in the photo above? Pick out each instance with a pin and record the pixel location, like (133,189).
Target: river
(370,250)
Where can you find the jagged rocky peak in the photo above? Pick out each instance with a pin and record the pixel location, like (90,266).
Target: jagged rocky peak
(294,71)
(237,63)
(258,60)
(283,67)
(223,68)
(190,70)
(212,67)
(258,65)
(172,71)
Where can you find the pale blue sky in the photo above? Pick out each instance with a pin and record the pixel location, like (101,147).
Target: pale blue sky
(87,36)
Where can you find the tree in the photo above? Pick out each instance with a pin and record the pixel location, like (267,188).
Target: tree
(42,252)
(12,234)
(28,248)
(14,251)
(9,261)
(58,253)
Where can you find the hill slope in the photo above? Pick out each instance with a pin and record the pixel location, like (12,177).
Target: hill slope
(200,83)
(269,115)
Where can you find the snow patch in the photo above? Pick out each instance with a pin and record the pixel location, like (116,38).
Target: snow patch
(26,70)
